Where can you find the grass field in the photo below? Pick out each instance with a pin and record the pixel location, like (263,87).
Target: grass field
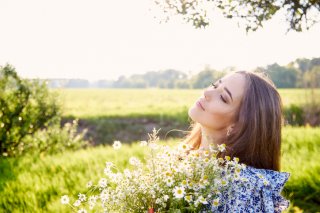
(85,103)
(35,184)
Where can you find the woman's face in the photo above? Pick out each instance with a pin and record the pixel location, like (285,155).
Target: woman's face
(216,108)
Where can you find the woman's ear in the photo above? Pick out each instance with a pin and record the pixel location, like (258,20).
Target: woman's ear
(229,129)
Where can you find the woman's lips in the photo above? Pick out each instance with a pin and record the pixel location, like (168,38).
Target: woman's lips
(199,105)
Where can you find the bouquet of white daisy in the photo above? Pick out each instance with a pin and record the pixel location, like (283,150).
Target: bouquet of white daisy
(171,180)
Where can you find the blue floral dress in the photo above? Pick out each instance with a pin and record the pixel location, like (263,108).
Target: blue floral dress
(260,193)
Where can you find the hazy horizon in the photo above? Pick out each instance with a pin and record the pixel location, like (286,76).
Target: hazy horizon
(103,40)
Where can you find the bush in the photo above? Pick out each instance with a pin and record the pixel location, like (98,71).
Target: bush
(27,110)
(294,115)
(55,139)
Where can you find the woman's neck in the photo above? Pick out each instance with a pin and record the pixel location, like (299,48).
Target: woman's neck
(209,137)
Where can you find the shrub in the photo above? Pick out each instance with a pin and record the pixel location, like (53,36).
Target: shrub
(55,139)
(28,110)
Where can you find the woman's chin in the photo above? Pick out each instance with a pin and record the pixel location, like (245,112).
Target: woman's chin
(192,113)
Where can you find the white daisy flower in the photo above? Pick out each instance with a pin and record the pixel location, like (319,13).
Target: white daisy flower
(77,203)
(188,198)
(103,182)
(134,161)
(82,197)
(169,181)
(117,145)
(89,184)
(165,197)
(202,200)
(178,192)
(215,202)
(65,199)
(222,147)
(184,147)
(82,211)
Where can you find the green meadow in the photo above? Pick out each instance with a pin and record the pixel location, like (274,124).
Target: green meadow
(84,103)
(36,183)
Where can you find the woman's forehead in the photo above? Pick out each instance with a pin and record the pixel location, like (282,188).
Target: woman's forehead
(235,83)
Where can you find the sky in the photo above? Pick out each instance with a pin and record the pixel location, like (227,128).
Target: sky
(103,39)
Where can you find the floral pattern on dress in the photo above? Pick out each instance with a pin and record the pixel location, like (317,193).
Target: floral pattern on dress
(259,193)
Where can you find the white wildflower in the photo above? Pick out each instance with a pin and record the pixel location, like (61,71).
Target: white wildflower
(188,198)
(89,184)
(222,147)
(184,147)
(215,202)
(77,203)
(134,161)
(65,199)
(143,143)
(202,200)
(117,145)
(103,182)
(82,197)
(178,192)
(169,181)
(165,197)
(82,211)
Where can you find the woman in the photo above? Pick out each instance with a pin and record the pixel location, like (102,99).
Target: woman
(244,111)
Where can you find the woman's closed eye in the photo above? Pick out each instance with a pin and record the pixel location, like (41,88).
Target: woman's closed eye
(221,97)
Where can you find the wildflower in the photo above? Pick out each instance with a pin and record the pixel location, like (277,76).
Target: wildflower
(178,192)
(188,198)
(77,203)
(127,173)
(153,146)
(202,200)
(224,182)
(227,158)
(158,201)
(82,197)
(117,145)
(244,179)
(236,176)
(236,160)
(184,183)
(220,160)
(169,181)
(143,143)
(134,161)
(103,182)
(206,153)
(222,147)
(104,196)
(93,199)
(89,184)
(109,164)
(65,199)
(260,175)
(184,147)
(165,197)
(215,202)
(82,211)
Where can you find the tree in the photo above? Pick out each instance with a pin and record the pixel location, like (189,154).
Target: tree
(300,14)
(283,77)
(204,78)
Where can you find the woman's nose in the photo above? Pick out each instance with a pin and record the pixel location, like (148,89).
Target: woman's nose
(206,94)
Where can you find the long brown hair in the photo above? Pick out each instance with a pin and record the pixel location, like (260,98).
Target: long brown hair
(256,135)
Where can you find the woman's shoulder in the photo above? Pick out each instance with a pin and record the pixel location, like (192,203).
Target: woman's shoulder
(256,190)
(265,178)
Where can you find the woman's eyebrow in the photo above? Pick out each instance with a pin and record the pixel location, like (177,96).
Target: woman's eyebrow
(227,90)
